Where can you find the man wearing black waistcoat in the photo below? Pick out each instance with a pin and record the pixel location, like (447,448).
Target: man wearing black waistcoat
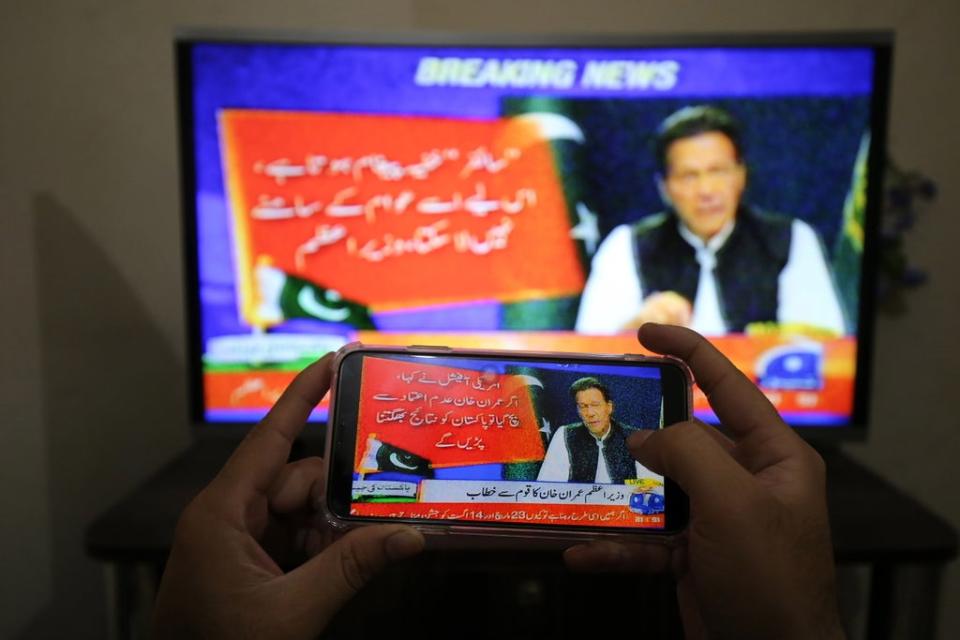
(594,450)
(710,261)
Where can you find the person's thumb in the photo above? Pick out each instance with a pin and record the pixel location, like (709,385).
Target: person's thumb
(320,587)
(694,459)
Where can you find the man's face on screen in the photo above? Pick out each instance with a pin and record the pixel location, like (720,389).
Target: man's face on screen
(704,181)
(594,411)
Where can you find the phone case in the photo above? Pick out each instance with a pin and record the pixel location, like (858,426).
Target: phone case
(466,534)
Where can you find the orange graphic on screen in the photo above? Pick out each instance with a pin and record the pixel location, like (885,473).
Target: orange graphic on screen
(397,212)
(448,416)
(229,389)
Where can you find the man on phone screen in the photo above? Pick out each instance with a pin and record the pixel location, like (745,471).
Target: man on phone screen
(594,450)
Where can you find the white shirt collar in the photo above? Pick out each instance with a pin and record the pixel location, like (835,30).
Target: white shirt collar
(605,436)
(712,245)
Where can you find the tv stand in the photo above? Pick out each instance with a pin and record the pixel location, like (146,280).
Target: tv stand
(898,545)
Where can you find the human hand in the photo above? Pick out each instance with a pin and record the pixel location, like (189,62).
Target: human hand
(664,307)
(227,576)
(756,560)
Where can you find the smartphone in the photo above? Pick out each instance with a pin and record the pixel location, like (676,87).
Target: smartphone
(515,444)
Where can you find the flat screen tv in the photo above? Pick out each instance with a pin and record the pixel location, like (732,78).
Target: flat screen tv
(545,194)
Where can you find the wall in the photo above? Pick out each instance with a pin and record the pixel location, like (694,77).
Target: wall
(25,526)
(90,250)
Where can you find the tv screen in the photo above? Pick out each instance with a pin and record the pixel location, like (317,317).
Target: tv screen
(549,197)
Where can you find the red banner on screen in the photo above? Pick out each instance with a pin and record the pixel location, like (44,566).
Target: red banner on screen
(367,205)
(448,416)
(564,514)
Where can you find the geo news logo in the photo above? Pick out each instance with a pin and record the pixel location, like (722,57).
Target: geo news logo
(646,502)
(797,366)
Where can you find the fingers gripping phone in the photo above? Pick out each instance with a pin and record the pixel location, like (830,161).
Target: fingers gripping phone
(496,443)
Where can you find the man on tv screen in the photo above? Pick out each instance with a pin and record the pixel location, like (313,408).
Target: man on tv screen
(594,450)
(710,261)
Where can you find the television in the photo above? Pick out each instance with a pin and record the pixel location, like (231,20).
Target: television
(542,193)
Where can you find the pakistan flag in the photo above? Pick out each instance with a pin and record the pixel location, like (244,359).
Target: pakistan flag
(848,254)
(285,297)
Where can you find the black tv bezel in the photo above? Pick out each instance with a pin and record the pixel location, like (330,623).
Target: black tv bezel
(881,42)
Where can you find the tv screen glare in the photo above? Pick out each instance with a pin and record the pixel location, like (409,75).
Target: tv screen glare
(546,196)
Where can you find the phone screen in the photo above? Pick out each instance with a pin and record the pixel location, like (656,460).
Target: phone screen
(499,441)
